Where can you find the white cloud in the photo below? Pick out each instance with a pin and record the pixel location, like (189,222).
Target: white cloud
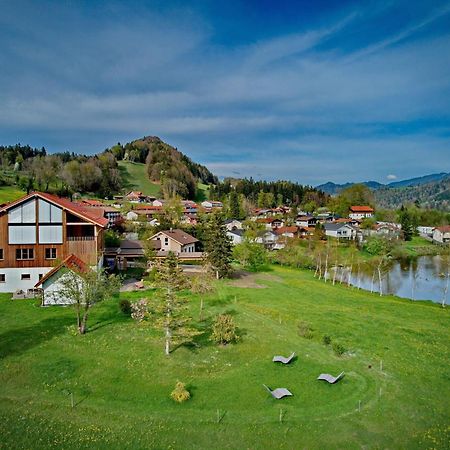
(391,177)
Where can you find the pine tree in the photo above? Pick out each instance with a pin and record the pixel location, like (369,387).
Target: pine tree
(171,308)
(235,207)
(218,246)
(406,224)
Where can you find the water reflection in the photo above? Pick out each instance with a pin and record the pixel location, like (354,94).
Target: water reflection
(423,278)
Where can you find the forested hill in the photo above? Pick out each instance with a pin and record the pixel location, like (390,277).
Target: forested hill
(176,173)
(435,194)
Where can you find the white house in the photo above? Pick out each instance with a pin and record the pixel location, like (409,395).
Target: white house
(53,283)
(340,230)
(177,241)
(426,231)
(360,212)
(212,204)
(233,224)
(236,236)
(441,235)
(268,239)
(305,221)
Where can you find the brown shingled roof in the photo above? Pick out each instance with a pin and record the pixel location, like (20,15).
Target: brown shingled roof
(179,235)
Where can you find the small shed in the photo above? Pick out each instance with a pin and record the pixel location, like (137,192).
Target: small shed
(52,284)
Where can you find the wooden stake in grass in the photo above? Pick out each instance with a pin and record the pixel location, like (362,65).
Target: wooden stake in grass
(359,406)
(381,365)
(281,415)
(71,400)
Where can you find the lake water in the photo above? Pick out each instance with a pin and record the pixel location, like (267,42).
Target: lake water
(422,278)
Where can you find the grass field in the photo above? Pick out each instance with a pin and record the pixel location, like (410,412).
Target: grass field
(121,380)
(135,178)
(10,193)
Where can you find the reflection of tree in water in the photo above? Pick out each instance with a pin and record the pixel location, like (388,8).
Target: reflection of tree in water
(415,278)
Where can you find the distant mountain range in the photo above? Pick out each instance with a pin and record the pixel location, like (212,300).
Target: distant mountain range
(334,188)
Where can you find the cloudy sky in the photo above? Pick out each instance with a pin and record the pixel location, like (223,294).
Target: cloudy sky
(304,90)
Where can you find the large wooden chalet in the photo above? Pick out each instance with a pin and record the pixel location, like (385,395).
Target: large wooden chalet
(41,229)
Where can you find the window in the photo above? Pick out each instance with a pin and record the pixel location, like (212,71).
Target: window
(24,253)
(50,253)
(2,278)
(41,275)
(166,241)
(25,276)
(1,253)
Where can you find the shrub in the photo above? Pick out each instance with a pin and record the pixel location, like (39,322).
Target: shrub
(180,394)
(305,330)
(338,349)
(326,339)
(139,310)
(125,306)
(224,330)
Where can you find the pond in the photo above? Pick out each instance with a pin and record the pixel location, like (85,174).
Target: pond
(422,278)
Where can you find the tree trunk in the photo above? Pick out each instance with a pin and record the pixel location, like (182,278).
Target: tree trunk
(201,310)
(167,344)
(444,297)
(380,279)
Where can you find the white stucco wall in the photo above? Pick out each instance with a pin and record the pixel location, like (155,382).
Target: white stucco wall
(53,289)
(13,280)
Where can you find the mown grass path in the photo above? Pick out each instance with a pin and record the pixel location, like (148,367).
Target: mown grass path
(121,380)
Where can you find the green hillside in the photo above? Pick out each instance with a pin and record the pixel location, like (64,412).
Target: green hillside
(121,380)
(135,178)
(10,193)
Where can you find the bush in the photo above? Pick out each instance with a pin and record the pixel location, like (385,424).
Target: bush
(224,330)
(305,330)
(338,349)
(326,340)
(125,307)
(251,255)
(180,394)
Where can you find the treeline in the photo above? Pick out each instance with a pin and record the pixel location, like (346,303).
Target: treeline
(267,194)
(63,173)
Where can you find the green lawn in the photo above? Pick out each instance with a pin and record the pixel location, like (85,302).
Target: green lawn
(121,380)
(10,193)
(136,179)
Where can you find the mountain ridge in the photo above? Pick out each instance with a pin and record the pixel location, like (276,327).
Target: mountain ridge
(334,188)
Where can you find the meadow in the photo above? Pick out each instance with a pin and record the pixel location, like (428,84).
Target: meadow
(394,394)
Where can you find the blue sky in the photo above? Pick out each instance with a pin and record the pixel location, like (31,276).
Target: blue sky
(304,90)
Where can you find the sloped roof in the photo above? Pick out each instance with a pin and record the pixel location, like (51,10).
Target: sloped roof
(336,226)
(72,262)
(89,213)
(361,209)
(444,229)
(178,235)
(282,230)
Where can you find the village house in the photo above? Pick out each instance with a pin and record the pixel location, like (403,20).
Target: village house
(233,224)
(210,204)
(441,235)
(176,240)
(360,212)
(236,236)
(340,230)
(136,197)
(271,223)
(306,221)
(52,283)
(39,229)
(268,239)
(129,253)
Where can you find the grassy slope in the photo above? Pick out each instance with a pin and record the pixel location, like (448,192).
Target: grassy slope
(135,178)
(10,193)
(121,381)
